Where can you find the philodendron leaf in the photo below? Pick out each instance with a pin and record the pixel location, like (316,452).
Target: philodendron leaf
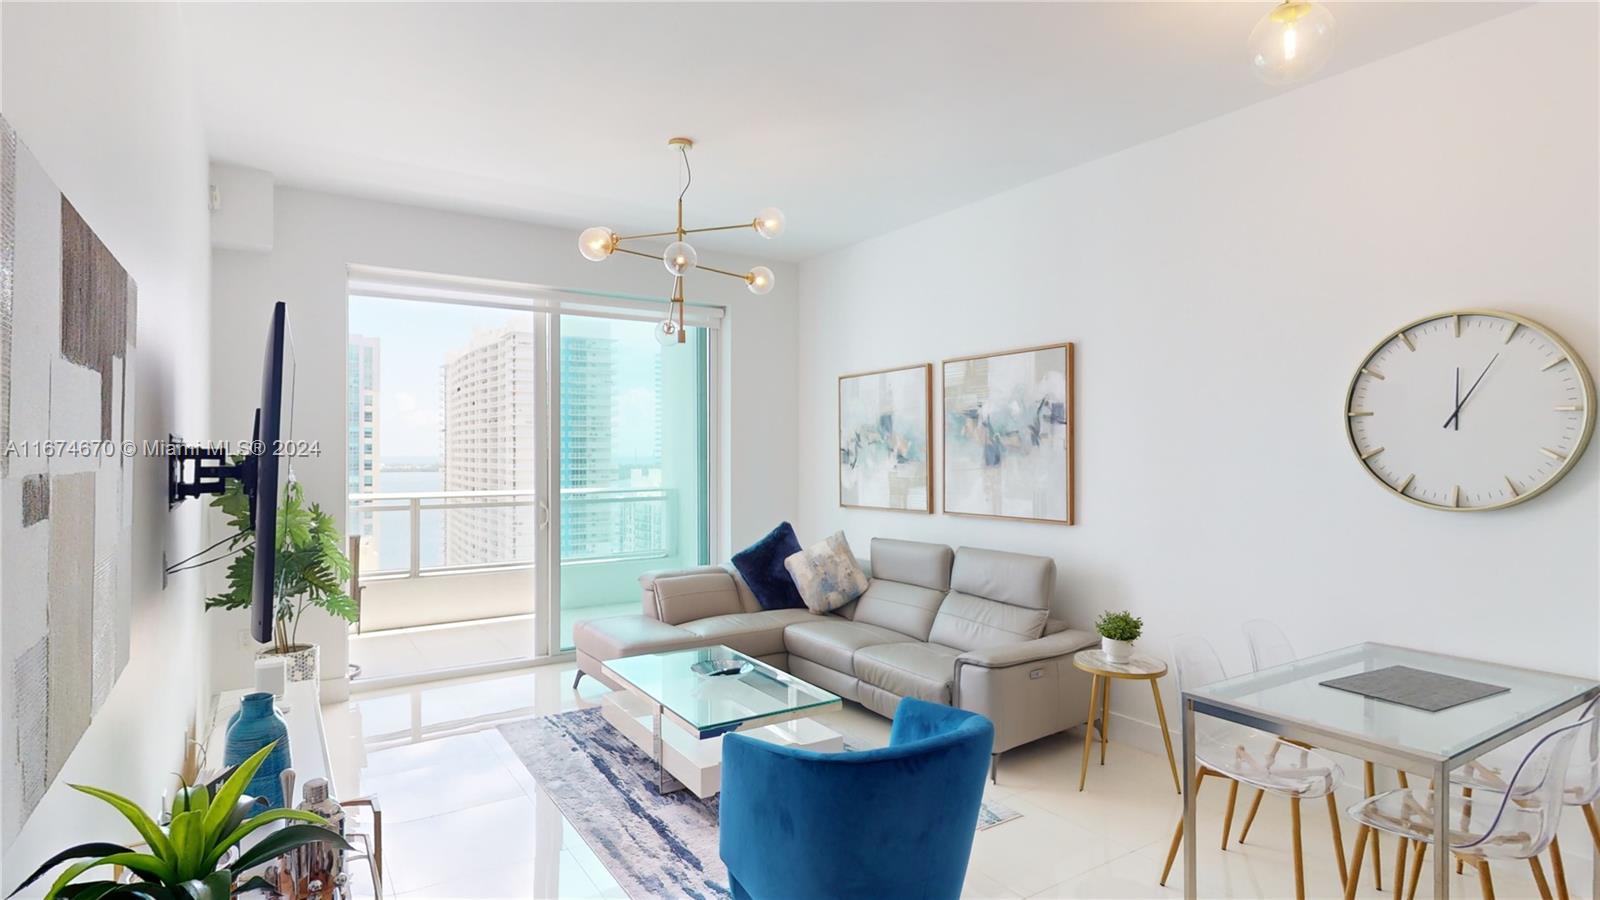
(81,851)
(285,839)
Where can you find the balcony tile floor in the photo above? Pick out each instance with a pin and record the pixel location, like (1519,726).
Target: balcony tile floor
(464,819)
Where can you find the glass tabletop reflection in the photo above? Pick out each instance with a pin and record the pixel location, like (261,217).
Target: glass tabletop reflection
(716,689)
(1293,693)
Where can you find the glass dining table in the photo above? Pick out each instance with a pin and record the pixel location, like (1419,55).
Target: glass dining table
(1290,701)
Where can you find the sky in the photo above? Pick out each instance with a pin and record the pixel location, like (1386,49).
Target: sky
(415,336)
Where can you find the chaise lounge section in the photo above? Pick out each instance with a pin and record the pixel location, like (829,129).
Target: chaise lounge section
(969,628)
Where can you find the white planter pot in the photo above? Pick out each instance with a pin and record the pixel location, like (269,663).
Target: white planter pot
(1116,651)
(300,664)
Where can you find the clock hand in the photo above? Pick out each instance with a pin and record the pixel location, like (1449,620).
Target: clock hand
(1456,416)
(1458,396)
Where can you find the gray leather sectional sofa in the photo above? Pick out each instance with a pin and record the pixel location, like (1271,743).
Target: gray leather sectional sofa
(970,628)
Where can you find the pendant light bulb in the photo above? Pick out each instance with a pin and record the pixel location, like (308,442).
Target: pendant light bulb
(769,222)
(1291,42)
(759,280)
(667,332)
(597,243)
(679,257)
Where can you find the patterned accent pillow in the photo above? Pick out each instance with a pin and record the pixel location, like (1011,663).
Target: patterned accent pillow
(827,574)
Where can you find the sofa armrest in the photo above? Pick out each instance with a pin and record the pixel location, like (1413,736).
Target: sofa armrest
(1001,656)
(683,595)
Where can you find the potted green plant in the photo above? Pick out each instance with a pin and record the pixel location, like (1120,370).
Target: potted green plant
(1118,631)
(312,571)
(198,856)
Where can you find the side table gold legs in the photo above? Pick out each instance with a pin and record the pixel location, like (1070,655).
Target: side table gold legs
(1105,716)
(1166,736)
(1088,728)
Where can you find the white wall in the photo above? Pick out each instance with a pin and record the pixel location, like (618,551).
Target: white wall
(1222,283)
(316,235)
(104,98)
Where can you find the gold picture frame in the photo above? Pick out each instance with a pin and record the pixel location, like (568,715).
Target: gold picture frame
(1070,420)
(926,421)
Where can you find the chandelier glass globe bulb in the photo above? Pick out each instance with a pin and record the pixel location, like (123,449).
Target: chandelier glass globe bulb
(1291,42)
(759,280)
(667,332)
(679,257)
(769,222)
(596,243)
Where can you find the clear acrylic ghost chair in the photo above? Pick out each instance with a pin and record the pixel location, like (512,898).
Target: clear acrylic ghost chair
(1492,771)
(1245,755)
(1270,647)
(1517,823)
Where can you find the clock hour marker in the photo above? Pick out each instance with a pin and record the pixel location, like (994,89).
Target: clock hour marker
(1455,323)
(1511,487)
(1407,338)
(1512,331)
(1367,371)
(1405,484)
(1552,454)
(1552,363)
(1371,453)
(1355,413)
(1455,495)
(1566,409)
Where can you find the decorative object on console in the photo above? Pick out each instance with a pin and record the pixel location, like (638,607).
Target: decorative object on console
(67,334)
(827,574)
(1469,410)
(1008,435)
(312,572)
(599,242)
(1291,42)
(254,725)
(762,566)
(186,858)
(885,438)
(1118,631)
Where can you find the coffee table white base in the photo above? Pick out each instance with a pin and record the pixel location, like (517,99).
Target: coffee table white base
(683,760)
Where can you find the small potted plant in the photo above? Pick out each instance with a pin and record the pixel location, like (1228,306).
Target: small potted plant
(1118,631)
(311,572)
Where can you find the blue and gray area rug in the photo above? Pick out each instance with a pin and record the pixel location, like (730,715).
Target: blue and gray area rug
(654,846)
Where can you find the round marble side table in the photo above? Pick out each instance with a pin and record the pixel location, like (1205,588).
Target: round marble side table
(1142,667)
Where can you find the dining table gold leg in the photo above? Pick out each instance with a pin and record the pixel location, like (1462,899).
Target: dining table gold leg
(1089,728)
(1370,782)
(1227,815)
(1166,736)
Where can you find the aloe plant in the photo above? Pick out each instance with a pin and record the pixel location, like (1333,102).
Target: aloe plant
(184,861)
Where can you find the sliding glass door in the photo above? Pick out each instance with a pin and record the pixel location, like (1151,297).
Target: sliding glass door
(631,428)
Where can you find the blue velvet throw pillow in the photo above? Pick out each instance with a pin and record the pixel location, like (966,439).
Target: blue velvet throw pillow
(762,566)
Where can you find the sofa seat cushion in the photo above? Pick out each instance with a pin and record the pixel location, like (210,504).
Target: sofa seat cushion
(753,634)
(614,637)
(910,669)
(833,642)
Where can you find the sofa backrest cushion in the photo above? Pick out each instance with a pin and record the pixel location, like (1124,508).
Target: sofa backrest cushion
(912,562)
(995,598)
(1015,578)
(897,606)
(697,595)
(966,622)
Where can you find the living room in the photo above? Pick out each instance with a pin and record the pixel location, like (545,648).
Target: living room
(597,450)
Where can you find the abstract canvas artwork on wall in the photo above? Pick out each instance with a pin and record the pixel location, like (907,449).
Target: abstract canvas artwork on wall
(885,424)
(1008,435)
(66,406)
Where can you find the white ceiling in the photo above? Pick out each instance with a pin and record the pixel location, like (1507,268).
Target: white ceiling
(853,118)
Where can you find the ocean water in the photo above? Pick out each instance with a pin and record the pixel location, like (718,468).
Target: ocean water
(394,528)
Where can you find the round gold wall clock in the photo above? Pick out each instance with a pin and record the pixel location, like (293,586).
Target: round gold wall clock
(1470,410)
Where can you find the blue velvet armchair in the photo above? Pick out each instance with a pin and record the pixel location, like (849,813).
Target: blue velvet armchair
(896,822)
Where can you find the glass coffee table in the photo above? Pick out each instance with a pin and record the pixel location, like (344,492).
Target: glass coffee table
(676,706)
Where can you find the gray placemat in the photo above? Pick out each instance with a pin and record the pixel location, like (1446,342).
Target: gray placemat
(1418,689)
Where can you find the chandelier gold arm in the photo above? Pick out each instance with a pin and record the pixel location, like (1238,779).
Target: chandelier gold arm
(742,276)
(654,256)
(658,234)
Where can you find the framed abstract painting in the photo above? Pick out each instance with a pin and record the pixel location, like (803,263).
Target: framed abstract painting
(885,439)
(1008,435)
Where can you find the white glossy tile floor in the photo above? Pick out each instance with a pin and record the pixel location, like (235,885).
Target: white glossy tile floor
(464,820)
(439,648)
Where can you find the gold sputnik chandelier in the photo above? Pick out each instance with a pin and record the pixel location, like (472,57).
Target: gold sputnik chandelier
(599,243)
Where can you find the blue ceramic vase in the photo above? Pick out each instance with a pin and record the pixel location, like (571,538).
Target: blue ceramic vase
(254,726)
